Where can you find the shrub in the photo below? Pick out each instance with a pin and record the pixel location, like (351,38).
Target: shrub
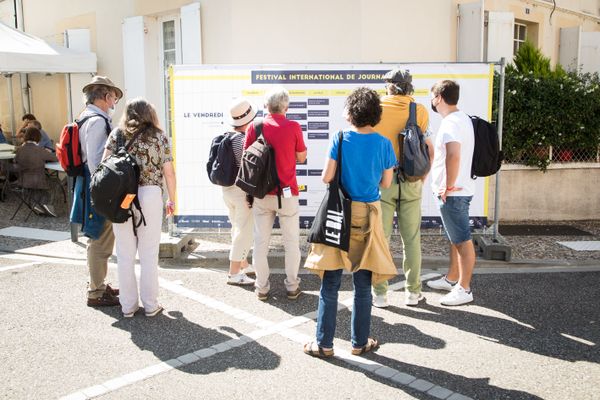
(544,108)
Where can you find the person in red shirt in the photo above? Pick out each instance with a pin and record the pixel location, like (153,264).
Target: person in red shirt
(286,138)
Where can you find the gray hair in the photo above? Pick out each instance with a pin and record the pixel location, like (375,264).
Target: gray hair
(277,100)
(96,92)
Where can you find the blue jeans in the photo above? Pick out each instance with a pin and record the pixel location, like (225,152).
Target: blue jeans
(455,217)
(328,304)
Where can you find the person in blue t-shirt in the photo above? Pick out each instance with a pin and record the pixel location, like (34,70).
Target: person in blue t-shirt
(368,160)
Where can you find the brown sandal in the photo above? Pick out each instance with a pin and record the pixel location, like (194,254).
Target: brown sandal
(320,353)
(372,344)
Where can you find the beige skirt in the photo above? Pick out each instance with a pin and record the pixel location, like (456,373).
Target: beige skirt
(368,247)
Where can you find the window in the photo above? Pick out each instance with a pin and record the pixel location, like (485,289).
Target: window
(169,47)
(520,35)
(170,54)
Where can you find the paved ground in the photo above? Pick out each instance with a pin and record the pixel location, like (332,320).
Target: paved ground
(527,336)
(532,333)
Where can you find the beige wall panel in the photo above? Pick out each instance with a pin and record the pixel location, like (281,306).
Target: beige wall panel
(528,194)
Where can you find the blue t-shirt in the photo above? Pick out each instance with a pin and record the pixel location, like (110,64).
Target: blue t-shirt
(364,158)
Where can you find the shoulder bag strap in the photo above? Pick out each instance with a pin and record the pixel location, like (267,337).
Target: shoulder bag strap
(338,170)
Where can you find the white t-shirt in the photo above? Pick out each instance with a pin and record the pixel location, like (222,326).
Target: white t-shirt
(455,127)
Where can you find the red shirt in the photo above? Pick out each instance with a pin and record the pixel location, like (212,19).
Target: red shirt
(286,138)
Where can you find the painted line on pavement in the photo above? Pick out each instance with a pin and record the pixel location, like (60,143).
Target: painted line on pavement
(19,266)
(266,328)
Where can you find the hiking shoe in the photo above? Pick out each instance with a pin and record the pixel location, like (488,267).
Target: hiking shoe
(380,301)
(457,296)
(106,300)
(294,294)
(49,210)
(130,314)
(413,298)
(240,279)
(441,284)
(249,270)
(262,296)
(154,313)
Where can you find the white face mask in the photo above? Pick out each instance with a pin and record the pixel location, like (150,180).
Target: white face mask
(111,111)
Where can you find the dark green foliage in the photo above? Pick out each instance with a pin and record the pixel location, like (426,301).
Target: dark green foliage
(544,108)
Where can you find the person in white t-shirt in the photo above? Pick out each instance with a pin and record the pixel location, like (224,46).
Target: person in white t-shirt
(453,187)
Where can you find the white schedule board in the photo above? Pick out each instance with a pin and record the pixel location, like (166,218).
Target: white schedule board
(200,100)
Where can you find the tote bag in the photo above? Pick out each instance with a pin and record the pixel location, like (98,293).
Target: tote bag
(331,225)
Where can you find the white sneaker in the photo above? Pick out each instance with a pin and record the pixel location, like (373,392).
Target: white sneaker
(457,296)
(441,284)
(240,279)
(249,270)
(413,298)
(380,301)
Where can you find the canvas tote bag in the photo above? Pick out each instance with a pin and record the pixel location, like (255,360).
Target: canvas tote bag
(331,225)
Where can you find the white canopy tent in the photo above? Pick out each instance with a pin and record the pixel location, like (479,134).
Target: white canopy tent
(24,53)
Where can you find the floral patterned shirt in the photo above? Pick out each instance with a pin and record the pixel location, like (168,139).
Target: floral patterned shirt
(149,151)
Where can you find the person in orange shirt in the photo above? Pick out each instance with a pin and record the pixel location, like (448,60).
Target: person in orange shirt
(404,198)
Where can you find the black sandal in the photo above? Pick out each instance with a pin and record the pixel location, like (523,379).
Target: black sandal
(321,353)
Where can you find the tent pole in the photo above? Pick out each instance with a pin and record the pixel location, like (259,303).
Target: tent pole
(11,108)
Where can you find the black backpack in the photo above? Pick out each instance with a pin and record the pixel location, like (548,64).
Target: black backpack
(222,167)
(414,160)
(114,185)
(258,172)
(487,156)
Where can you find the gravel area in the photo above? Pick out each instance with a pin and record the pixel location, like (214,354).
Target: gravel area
(434,242)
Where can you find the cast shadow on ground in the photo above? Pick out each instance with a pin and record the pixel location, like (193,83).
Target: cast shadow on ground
(171,335)
(397,333)
(538,316)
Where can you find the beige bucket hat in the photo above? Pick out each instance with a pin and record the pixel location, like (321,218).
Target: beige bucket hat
(103,80)
(241,112)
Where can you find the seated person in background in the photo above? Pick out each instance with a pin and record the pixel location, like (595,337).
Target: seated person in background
(2,137)
(31,160)
(30,120)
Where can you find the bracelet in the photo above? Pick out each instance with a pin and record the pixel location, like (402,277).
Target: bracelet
(170,203)
(449,188)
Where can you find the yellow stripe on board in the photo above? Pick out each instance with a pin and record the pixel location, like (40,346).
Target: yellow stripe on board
(486,188)
(173,141)
(212,78)
(450,76)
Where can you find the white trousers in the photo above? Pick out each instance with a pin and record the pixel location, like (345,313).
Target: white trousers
(146,244)
(265,211)
(242,222)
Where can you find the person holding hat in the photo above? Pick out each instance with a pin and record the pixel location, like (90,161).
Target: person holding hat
(100,97)
(404,198)
(242,113)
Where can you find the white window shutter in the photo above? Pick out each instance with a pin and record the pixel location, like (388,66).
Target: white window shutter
(500,36)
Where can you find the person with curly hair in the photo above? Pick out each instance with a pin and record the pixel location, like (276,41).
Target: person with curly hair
(367,165)
(152,152)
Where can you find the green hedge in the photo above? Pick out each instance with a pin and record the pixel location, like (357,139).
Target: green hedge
(546,109)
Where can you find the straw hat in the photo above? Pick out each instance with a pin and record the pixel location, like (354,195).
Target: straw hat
(241,112)
(103,80)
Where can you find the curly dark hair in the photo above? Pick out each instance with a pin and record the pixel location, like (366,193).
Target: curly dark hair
(363,107)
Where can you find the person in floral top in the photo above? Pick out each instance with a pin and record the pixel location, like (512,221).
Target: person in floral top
(152,152)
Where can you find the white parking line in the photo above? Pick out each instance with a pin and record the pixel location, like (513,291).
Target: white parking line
(266,328)
(19,266)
